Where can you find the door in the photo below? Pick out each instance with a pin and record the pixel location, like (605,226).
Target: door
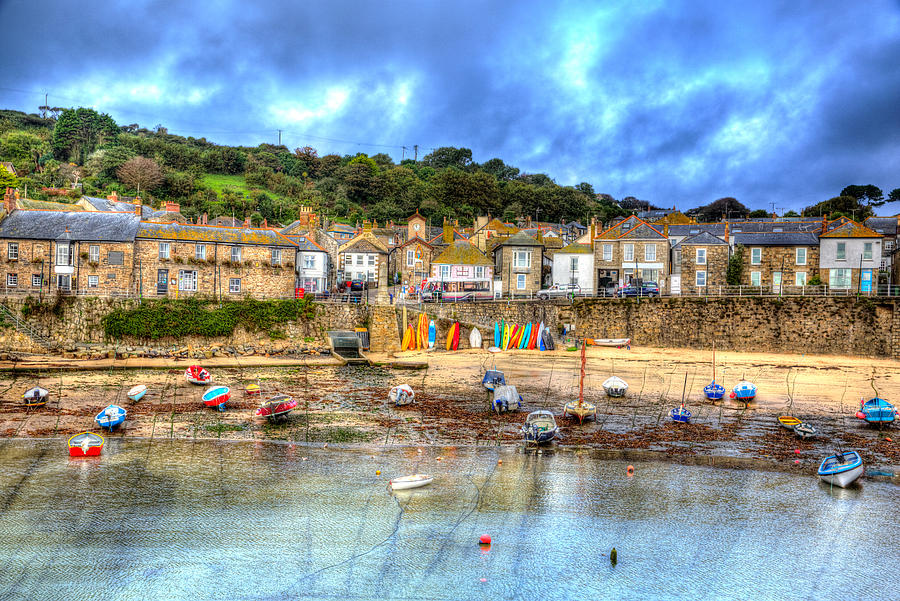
(675,284)
(866,283)
(776,282)
(162,282)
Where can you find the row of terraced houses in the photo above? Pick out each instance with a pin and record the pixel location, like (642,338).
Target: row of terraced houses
(119,246)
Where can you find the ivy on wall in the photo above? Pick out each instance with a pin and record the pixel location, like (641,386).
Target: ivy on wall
(193,317)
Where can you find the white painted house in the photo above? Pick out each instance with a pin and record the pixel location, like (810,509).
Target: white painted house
(850,256)
(312,266)
(574,264)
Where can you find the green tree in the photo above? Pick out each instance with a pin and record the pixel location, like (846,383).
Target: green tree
(792,214)
(894,196)
(78,132)
(500,170)
(449,156)
(735,270)
(141,174)
(758,214)
(23,149)
(839,205)
(723,208)
(105,162)
(7,180)
(869,195)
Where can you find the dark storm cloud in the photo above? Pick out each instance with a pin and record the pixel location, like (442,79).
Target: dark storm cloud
(676,103)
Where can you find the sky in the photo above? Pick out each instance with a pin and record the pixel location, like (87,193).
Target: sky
(778,104)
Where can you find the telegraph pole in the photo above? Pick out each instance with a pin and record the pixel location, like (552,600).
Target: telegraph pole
(279,137)
(416,149)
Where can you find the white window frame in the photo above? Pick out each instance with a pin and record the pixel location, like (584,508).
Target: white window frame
(232,288)
(164,250)
(607,252)
(521,258)
(12,251)
(309,261)
(840,252)
(479,272)
(93,281)
(410,257)
(698,278)
(370,260)
(800,278)
(868,249)
(777,279)
(235,254)
(756,256)
(521,281)
(12,280)
(359,259)
(94,253)
(648,255)
(37,280)
(276,256)
(846,277)
(756,278)
(187,280)
(628,252)
(700,258)
(800,256)
(65,249)
(444,272)
(200,252)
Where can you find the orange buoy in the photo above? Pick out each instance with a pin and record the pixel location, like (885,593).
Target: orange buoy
(485,539)
(499,462)
(629,470)
(888,439)
(377,472)
(438,458)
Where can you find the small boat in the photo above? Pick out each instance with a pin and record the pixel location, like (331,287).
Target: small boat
(496,334)
(137,393)
(35,397)
(616,342)
(540,338)
(580,408)
(526,336)
(506,397)
(681,415)
(217,397)
(615,386)
(407,342)
(876,411)
(252,390)
(277,406)
(494,349)
(788,421)
(744,391)
(402,395)
(475,338)
(540,427)
(432,333)
(86,444)
(841,469)
(804,430)
(493,378)
(414,481)
(197,375)
(547,339)
(110,417)
(714,391)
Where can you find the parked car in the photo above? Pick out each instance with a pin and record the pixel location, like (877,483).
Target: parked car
(559,291)
(358,285)
(431,296)
(645,289)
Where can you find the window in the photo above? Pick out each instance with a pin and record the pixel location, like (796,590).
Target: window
(800,278)
(520,281)
(650,252)
(371,259)
(755,256)
(840,278)
(309,262)
(755,278)
(573,264)
(701,256)
(867,251)
(94,253)
(93,281)
(359,259)
(607,252)
(36,280)
(63,254)
(629,252)
(800,256)
(187,280)
(163,250)
(12,280)
(12,250)
(115,257)
(63,282)
(701,278)
(841,253)
(522,258)
(445,272)
(888,246)
(234,285)
(479,272)
(200,252)
(410,257)
(235,254)
(276,256)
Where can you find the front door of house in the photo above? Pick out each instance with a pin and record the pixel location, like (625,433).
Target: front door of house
(866,283)
(162,282)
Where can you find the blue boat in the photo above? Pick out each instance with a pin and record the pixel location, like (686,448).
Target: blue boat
(540,427)
(110,417)
(714,391)
(744,391)
(841,469)
(137,393)
(877,411)
(493,378)
(681,415)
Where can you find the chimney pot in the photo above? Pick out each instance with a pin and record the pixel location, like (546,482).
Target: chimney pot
(205,219)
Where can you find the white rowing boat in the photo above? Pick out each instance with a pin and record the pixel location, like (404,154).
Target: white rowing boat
(617,342)
(414,481)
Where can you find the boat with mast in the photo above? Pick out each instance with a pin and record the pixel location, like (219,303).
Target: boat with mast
(713,390)
(680,414)
(581,408)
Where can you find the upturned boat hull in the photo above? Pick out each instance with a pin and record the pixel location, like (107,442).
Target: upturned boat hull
(277,407)
(137,393)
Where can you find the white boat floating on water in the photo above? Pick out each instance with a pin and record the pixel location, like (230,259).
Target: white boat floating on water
(842,469)
(414,481)
(615,386)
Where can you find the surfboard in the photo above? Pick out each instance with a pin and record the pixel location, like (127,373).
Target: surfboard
(455,336)
(423,331)
(539,343)
(534,332)
(512,336)
(526,336)
(504,339)
(432,334)
(449,344)
(475,338)
(496,333)
(407,336)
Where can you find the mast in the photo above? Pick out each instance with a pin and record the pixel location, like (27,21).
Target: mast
(581,381)
(714,361)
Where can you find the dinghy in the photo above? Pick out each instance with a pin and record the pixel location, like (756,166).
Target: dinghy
(475,338)
(580,408)
(876,411)
(197,375)
(252,390)
(804,430)
(86,444)
(401,395)
(493,378)
(407,339)
(110,417)
(35,397)
(616,342)
(137,393)
(788,421)
(414,481)
(276,407)
(615,386)
(841,469)
(217,397)
(743,391)
(714,391)
(506,397)
(681,415)
(539,427)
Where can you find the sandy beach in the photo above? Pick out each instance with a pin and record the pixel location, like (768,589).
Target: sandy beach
(348,404)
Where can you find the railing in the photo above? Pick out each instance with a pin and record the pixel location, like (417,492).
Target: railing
(23,327)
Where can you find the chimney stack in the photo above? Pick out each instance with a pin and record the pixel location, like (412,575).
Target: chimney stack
(448,232)
(172,207)
(137,206)
(247,223)
(204,219)
(265,223)
(9,201)
(113,196)
(593,231)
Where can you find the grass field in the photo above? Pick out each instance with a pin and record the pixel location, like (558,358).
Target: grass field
(219,182)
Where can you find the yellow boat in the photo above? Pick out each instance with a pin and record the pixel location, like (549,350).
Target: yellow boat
(505,344)
(788,421)
(407,338)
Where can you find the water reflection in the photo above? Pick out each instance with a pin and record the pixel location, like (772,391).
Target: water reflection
(257,521)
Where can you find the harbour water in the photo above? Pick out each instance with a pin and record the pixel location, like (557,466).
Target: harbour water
(253,520)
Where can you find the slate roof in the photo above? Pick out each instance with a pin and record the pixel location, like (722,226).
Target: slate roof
(46,205)
(770,226)
(104,204)
(365,242)
(519,239)
(576,248)
(439,239)
(575,225)
(307,244)
(851,229)
(882,225)
(212,233)
(227,221)
(777,239)
(642,231)
(87,226)
(716,229)
(495,225)
(701,239)
(461,252)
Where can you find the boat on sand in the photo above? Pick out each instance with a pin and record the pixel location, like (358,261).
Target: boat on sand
(841,469)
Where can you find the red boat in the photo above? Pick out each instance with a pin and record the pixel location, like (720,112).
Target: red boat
(197,375)
(217,397)
(278,406)
(86,444)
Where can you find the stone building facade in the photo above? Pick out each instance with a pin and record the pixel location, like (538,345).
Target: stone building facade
(630,250)
(704,263)
(778,259)
(518,263)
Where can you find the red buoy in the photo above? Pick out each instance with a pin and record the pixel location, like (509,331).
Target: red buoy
(485,539)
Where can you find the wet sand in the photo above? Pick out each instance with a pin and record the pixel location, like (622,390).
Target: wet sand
(348,404)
